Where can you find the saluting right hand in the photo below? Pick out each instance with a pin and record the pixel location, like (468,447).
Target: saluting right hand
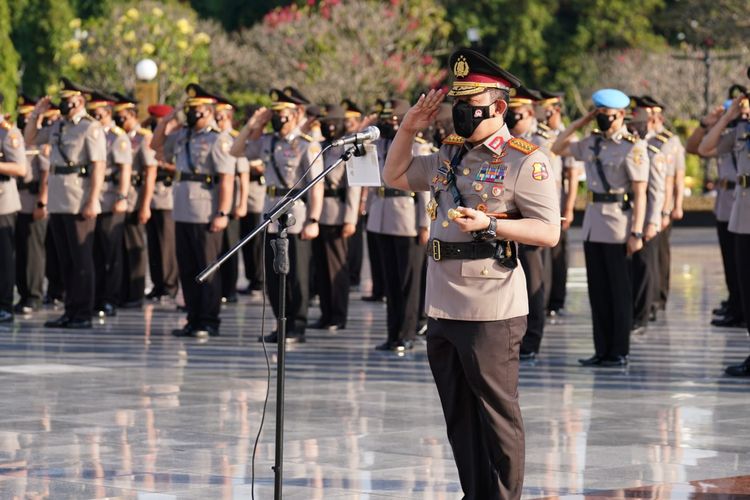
(41,106)
(585,119)
(259,119)
(423,113)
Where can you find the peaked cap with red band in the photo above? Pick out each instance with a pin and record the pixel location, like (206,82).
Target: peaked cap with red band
(474,73)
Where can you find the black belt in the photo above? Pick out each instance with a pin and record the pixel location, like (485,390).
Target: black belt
(31,186)
(335,193)
(609,197)
(743,181)
(385,192)
(259,178)
(273,191)
(503,251)
(82,170)
(206,179)
(4,178)
(136,180)
(166,177)
(727,185)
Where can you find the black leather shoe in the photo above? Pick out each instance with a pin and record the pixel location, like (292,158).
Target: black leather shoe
(185,331)
(231,299)
(319,325)
(594,360)
(728,322)
(652,315)
(291,338)
(372,298)
(108,310)
(78,324)
(155,295)
(638,330)
(212,331)
(614,362)
(741,370)
(132,304)
(385,346)
(402,346)
(6,316)
(723,310)
(27,306)
(527,356)
(52,301)
(60,322)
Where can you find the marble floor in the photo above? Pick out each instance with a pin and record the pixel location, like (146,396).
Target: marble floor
(128,411)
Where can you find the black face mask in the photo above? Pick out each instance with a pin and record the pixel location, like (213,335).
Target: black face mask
(193,115)
(332,130)
(278,122)
(639,128)
(387,130)
(604,122)
(466,118)
(66,107)
(119,120)
(98,117)
(439,134)
(512,119)
(21,122)
(46,122)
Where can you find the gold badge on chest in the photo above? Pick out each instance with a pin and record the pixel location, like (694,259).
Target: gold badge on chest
(432,208)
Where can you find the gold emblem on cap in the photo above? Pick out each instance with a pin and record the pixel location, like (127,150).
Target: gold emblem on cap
(87,96)
(191,92)
(461,67)
(274,96)
(512,92)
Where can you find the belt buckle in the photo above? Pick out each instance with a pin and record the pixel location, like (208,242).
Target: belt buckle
(590,197)
(743,181)
(381,192)
(436,255)
(209,180)
(272,191)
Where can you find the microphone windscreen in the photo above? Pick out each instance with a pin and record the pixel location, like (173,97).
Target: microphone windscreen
(373,132)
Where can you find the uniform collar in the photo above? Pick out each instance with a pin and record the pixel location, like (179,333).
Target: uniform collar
(617,136)
(76,118)
(135,130)
(208,128)
(496,141)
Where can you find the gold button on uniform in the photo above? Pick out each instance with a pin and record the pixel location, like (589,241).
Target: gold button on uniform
(467,171)
(445,223)
(484,272)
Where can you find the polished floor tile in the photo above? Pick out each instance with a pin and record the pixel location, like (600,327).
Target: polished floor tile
(125,410)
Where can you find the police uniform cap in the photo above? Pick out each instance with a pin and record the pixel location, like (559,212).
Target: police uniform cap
(70,89)
(280,100)
(333,112)
(295,93)
(159,110)
(315,112)
(474,73)
(123,102)
(25,104)
(96,99)
(351,109)
(394,107)
(737,89)
(198,96)
(610,98)
(523,96)
(549,98)
(222,102)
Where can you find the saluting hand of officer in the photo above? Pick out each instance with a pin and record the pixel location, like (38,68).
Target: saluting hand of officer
(423,113)
(260,117)
(584,120)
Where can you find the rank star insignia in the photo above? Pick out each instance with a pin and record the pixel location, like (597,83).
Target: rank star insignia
(539,171)
(432,208)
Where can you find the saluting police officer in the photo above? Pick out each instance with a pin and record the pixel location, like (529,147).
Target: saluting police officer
(156,204)
(476,297)
(78,159)
(399,221)
(31,224)
(566,171)
(739,220)
(202,203)
(522,123)
(338,222)
(617,166)
(646,261)
(290,157)
(110,223)
(12,166)
(230,268)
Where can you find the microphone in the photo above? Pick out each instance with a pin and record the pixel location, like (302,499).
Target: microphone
(371,133)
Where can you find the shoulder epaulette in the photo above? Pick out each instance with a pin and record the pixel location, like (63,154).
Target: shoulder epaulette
(234,133)
(542,133)
(88,117)
(667,133)
(214,129)
(144,131)
(420,140)
(117,130)
(596,131)
(653,148)
(454,140)
(662,138)
(523,146)
(306,137)
(630,138)
(544,127)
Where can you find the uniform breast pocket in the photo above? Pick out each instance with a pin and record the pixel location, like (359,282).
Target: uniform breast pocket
(483,269)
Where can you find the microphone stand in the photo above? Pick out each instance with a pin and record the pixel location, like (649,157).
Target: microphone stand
(281,267)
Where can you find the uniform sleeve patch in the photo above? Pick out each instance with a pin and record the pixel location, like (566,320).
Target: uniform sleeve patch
(523,146)
(539,171)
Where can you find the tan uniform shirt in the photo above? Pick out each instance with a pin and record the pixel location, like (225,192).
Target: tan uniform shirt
(657,187)
(81,141)
(544,137)
(739,221)
(344,208)
(674,151)
(502,174)
(119,153)
(727,163)
(241,166)
(286,163)
(397,215)
(143,156)
(163,198)
(36,162)
(624,161)
(256,196)
(13,151)
(204,152)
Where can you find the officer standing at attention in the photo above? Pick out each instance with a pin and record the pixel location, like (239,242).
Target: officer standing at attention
(156,204)
(230,269)
(476,297)
(110,223)
(202,203)
(12,166)
(352,125)
(78,159)
(338,222)
(646,261)
(739,220)
(31,224)
(288,155)
(522,123)
(399,221)
(616,165)
(566,172)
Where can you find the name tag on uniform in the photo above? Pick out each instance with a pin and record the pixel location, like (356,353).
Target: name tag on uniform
(364,170)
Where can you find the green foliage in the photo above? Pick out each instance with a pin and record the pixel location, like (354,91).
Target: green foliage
(42,27)
(724,22)
(8,59)
(236,14)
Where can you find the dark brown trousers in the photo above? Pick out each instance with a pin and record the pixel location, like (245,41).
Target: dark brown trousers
(74,241)
(475,367)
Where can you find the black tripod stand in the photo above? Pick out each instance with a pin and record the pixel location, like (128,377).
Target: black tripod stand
(280,245)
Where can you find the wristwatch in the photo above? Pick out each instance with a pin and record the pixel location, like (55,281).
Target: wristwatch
(40,204)
(636,235)
(312,220)
(222,214)
(488,234)
(121,197)
(666,213)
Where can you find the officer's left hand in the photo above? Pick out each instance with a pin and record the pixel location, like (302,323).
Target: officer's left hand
(310,231)
(650,232)
(348,230)
(472,220)
(219,223)
(677,214)
(240,211)
(634,245)
(39,213)
(423,236)
(88,211)
(120,207)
